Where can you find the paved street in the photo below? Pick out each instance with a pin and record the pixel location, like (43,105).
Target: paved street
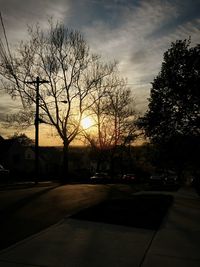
(82,243)
(26,210)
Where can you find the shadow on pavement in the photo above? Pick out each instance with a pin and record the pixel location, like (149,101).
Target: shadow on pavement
(17,224)
(169,188)
(140,211)
(23,202)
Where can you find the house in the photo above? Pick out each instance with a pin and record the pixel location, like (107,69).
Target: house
(19,158)
(50,159)
(16,157)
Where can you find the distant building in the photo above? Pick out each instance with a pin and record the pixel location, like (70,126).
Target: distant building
(16,157)
(19,158)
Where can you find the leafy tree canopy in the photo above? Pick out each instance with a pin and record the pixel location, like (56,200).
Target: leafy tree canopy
(174,104)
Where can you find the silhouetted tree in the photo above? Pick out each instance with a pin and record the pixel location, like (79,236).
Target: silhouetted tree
(173,118)
(22,138)
(62,57)
(114,117)
(174,104)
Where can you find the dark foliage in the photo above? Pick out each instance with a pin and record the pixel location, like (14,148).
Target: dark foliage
(174,107)
(172,122)
(23,139)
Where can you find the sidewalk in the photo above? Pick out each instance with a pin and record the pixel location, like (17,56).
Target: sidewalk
(74,243)
(177,243)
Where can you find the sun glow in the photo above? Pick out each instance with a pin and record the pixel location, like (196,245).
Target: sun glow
(86,123)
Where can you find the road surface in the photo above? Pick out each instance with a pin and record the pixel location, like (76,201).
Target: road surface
(26,211)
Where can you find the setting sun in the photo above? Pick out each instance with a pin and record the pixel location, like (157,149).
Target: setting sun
(86,123)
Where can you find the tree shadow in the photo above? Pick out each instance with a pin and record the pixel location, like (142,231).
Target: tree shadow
(140,211)
(22,202)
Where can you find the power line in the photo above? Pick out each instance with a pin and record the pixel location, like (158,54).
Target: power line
(5,36)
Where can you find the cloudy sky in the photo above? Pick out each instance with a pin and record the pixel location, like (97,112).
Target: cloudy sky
(136,33)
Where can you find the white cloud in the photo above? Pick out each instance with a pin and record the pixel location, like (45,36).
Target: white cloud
(18,14)
(141,35)
(136,44)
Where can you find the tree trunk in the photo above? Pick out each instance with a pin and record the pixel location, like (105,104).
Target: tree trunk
(99,161)
(65,163)
(112,161)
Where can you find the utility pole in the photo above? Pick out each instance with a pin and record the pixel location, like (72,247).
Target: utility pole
(37,98)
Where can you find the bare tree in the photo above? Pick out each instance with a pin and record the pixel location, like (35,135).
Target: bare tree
(61,56)
(114,117)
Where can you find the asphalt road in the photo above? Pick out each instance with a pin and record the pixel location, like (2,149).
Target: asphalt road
(29,209)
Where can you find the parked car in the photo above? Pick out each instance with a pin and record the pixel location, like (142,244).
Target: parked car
(129,177)
(3,172)
(171,180)
(156,179)
(100,177)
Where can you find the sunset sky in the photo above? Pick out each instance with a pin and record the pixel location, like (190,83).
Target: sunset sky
(136,33)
